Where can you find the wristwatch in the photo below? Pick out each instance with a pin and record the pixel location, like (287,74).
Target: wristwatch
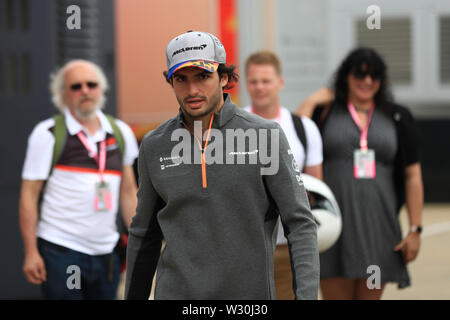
(417,229)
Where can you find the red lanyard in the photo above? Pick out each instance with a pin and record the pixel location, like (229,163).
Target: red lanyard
(101,161)
(365,130)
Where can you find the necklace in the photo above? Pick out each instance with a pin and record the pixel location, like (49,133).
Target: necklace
(359,109)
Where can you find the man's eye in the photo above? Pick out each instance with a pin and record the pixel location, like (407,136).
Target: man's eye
(203,76)
(178,79)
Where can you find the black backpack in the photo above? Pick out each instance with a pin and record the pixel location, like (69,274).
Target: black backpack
(300,129)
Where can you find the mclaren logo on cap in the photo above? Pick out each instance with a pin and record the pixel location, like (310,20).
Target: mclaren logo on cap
(201,47)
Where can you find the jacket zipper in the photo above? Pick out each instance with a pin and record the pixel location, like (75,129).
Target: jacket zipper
(203,149)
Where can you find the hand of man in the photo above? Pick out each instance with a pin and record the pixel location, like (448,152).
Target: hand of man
(34,268)
(410,246)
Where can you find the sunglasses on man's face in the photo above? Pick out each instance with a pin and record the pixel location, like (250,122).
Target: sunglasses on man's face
(78,86)
(361,75)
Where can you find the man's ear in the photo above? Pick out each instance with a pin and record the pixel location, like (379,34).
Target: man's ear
(223,80)
(281,82)
(169,81)
(64,95)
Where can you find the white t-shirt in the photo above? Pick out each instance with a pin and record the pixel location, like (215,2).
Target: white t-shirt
(67,216)
(314,145)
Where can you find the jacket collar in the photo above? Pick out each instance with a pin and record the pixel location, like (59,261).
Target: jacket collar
(225,114)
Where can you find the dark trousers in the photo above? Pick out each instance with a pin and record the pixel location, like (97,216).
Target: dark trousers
(72,275)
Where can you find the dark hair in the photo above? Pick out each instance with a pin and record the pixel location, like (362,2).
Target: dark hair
(233,77)
(353,64)
(229,70)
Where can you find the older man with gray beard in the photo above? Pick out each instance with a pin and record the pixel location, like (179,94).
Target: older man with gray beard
(77,166)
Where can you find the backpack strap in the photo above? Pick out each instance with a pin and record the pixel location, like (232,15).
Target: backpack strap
(300,129)
(117,133)
(60,135)
(320,115)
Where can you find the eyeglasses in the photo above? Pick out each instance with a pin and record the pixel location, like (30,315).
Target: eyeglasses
(78,86)
(361,75)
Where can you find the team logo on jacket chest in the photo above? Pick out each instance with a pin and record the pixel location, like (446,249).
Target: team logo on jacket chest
(229,146)
(169,162)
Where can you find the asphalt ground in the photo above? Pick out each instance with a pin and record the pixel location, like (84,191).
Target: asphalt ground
(430,272)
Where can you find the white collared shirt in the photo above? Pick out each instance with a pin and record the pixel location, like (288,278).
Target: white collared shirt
(313,138)
(314,142)
(67,214)
(39,153)
(73,126)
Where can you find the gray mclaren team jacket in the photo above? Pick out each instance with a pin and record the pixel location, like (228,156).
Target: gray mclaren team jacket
(218,220)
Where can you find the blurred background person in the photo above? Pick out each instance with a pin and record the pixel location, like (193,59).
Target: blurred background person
(74,225)
(264,83)
(372,164)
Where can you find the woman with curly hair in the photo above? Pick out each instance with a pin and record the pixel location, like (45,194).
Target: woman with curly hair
(372,164)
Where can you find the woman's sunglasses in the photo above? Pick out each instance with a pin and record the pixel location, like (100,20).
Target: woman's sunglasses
(78,86)
(361,75)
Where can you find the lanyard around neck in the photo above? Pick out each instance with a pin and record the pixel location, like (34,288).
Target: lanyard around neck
(365,130)
(101,160)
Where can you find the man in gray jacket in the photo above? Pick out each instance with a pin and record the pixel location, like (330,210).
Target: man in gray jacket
(212,183)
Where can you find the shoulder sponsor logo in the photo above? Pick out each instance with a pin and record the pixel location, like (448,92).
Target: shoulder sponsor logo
(200,47)
(295,166)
